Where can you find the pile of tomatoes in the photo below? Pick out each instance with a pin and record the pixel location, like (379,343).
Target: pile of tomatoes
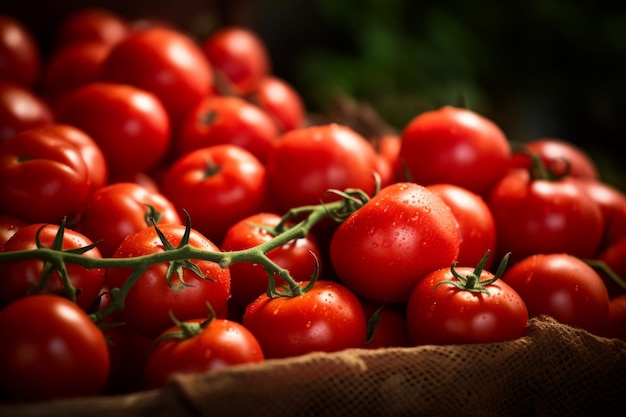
(135,141)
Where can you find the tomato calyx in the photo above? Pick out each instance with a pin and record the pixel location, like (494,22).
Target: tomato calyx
(472,282)
(153,216)
(372,323)
(186,330)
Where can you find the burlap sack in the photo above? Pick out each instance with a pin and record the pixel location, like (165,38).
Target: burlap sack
(554,371)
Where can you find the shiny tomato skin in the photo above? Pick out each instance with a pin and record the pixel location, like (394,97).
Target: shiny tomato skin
(612,203)
(20,109)
(8,226)
(249,280)
(281,100)
(543,216)
(327,318)
(447,315)
(219,120)
(148,304)
(91,24)
(561,286)
(217,186)
(165,62)
(221,343)
(20,277)
(384,248)
(50,350)
(306,162)
(20,54)
(120,209)
(455,145)
(134,135)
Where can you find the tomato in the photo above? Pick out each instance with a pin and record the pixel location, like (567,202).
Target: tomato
(20,54)
(217,120)
(388,150)
(561,286)
(43,177)
(612,203)
(239,58)
(306,162)
(616,326)
(134,135)
(50,350)
(218,186)
(120,209)
(457,146)
(327,318)
(281,100)
(21,109)
(476,224)
(544,216)
(148,304)
(385,247)
(205,345)
(165,62)
(91,24)
(457,305)
(387,325)
(248,280)
(8,226)
(614,257)
(20,277)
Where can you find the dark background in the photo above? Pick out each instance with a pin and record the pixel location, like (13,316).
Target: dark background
(537,68)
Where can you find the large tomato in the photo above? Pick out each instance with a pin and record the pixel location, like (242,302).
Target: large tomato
(50,350)
(20,55)
(21,277)
(327,318)
(465,305)
(384,248)
(154,295)
(21,109)
(135,133)
(564,287)
(457,146)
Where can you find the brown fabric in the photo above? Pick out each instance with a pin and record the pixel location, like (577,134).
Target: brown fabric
(554,371)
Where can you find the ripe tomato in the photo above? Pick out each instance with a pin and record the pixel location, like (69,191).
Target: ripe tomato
(561,286)
(50,350)
(218,186)
(20,55)
(476,224)
(384,248)
(305,163)
(21,277)
(457,146)
(612,202)
(326,318)
(281,100)
(8,226)
(465,305)
(91,24)
(616,326)
(205,345)
(249,280)
(149,302)
(21,109)
(165,62)
(387,324)
(217,120)
(120,209)
(544,216)
(135,133)
(239,58)
(388,150)
(614,257)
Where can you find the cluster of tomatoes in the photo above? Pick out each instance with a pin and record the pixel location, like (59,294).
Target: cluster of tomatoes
(130,130)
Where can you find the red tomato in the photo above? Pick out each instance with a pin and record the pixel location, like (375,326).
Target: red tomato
(612,202)
(544,216)
(281,100)
(616,327)
(249,280)
(213,345)
(8,226)
(465,305)
(217,120)
(43,177)
(20,277)
(148,304)
(326,318)
(476,224)
(384,248)
(305,163)
(561,286)
(218,186)
(20,55)
(614,257)
(50,350)
(91,24)
(120,209)
(165,62)
(239,59)
(456,146)
(134,135)
(387,325)
(21,109)
(388,150)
